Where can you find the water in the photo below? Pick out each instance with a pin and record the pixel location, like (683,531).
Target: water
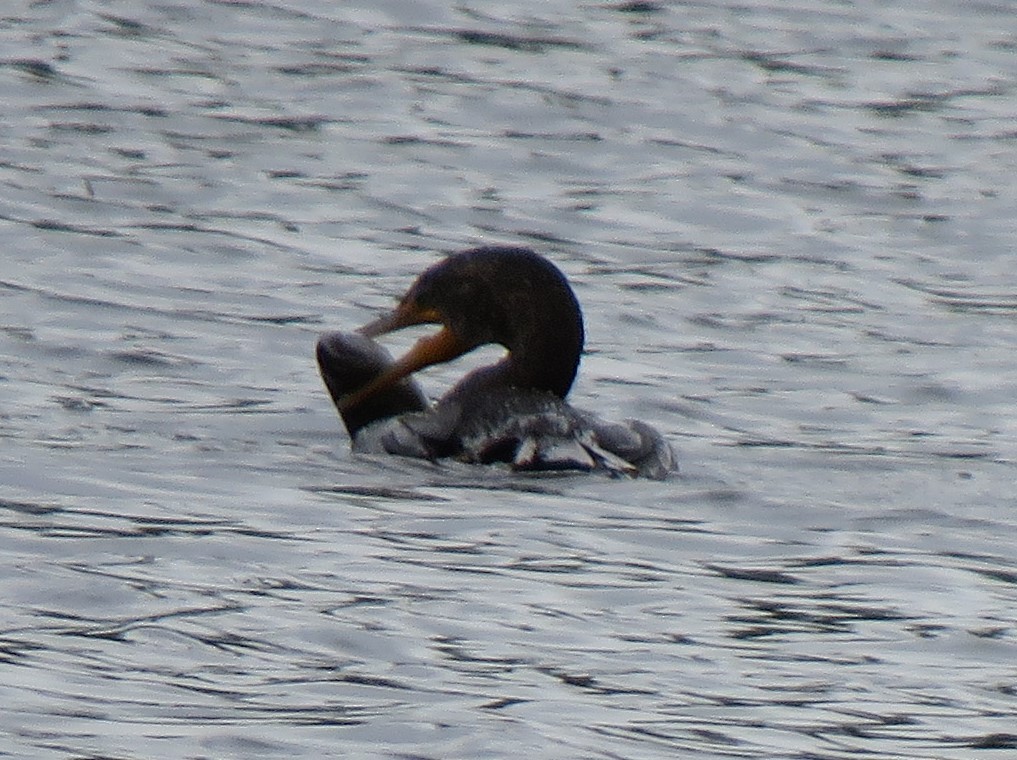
(790,226)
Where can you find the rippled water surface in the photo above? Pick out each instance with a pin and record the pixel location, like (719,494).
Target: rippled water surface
(791,226)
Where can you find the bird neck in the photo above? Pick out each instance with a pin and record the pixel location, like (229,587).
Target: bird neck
(547,361)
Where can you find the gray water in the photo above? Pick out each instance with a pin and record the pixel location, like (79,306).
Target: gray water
(791,228)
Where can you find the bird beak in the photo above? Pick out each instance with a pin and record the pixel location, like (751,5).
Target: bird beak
(405,314)
(443,346)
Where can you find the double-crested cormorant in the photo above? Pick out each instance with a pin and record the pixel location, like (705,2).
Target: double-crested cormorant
(512,411)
